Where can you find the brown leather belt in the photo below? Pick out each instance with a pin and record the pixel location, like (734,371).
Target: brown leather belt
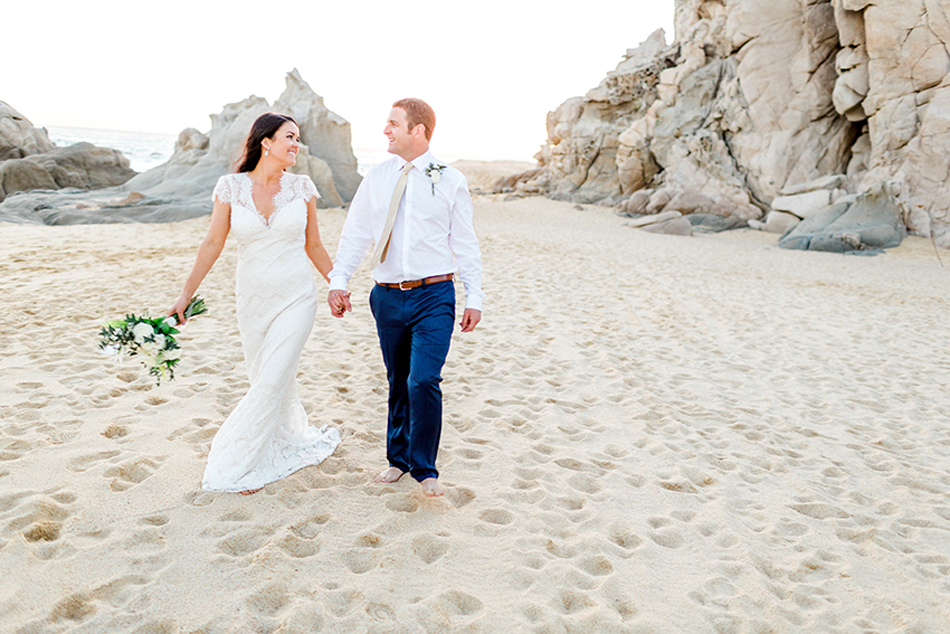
(435,279)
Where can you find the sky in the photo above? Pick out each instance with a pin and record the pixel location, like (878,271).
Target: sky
(492,69)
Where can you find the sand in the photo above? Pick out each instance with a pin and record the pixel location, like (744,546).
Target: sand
(645,434)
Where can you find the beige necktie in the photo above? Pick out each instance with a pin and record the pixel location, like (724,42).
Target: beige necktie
(382,247)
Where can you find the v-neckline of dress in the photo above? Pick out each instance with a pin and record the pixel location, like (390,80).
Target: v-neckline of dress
(268,221)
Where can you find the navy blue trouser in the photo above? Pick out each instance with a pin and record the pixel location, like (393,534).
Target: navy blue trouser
(415,330)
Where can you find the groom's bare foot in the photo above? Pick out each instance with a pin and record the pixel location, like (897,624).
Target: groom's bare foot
(389,475)
(432,488)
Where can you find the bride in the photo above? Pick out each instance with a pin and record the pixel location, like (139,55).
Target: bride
(273,215)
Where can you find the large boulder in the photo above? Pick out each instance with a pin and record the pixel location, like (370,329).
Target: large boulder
(18,137)
(871,220)
(181,188)
(85,166)
(19,175)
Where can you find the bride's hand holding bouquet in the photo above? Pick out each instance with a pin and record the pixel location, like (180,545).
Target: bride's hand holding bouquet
(151,338)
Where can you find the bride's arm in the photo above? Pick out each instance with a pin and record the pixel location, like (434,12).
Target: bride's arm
(208,254)
(314,246)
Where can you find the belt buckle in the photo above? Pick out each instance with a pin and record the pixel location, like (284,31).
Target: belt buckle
(406,288)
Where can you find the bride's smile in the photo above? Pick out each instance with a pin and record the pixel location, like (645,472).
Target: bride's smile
(285,144)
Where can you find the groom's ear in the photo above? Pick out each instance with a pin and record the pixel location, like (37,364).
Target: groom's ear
(419,130)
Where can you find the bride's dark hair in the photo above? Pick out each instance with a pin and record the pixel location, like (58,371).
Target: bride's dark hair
(265,127)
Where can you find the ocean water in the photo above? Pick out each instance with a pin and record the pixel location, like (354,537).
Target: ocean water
(146,150)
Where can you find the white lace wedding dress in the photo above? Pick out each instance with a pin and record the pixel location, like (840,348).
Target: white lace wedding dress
(267,436)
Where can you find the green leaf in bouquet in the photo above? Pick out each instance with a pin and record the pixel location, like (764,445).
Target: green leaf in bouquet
(151,342)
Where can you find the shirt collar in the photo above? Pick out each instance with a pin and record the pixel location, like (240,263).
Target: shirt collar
(422,161)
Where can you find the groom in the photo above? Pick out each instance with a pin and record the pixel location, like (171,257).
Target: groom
(418,213)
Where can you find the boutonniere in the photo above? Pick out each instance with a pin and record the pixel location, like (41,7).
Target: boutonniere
(434,172)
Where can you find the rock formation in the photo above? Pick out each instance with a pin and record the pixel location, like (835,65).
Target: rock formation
(871,220)
(18,137)
(772,111)
(30,161)
(181,188)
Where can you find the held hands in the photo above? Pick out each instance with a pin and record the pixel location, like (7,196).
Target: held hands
(339,302)
(470,319)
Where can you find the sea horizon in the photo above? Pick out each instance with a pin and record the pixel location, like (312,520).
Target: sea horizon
(146,150)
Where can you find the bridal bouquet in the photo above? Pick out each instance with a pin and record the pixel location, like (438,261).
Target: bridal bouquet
(152,338)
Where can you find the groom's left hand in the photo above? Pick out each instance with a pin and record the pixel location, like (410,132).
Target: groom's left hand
(470,319)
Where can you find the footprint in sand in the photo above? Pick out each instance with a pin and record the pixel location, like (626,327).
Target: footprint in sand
(666,537)
(402,504)
(429,548)
(40,519)
(197,432)
(468,454)
(570,601)
(584,483)
(199,498)
(79,605)
(820,511)
(310,527)
(128,473)
(459,496)
(237,515)
(270,599)
(149,539)
(297,547)
(359,560)
(87,461)
(524,485)
(114,431)
(369,540)
(624,537)
(343,601)
(498,517)
(14,449)
(244,541)
(455,606)
(596,566)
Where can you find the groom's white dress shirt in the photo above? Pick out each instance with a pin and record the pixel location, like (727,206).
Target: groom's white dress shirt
(433,233)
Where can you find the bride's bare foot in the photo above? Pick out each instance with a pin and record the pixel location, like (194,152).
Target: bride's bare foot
(388,475)
(432,488)
(250,491)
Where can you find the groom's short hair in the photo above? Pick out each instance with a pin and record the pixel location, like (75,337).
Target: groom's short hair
(418,111)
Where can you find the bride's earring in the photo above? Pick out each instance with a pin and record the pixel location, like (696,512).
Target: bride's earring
(266,152)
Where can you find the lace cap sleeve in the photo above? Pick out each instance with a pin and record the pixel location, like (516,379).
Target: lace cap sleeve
(306,188)
(222,191)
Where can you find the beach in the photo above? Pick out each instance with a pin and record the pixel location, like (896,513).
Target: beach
(645,434)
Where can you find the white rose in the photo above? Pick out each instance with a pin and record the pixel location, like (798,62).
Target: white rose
(160,342)
(435,176)
(142,330)
(149,359)
(152,348)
